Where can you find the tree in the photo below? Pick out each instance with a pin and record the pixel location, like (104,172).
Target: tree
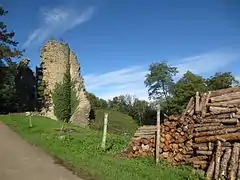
(62,98)
(8,69)
(159,80)
(74,100)
(25,82)
(221,81)
(8,95)
(139,109)
(8,48)
(184,89)
(96,103)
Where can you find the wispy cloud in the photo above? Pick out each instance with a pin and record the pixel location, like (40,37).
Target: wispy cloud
(56,21)
(131,80)
(237,78)
(114,83)
(209,62)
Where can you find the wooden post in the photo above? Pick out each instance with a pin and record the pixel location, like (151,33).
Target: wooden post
(197,105)
(30,121)
(105,130)
(158,134)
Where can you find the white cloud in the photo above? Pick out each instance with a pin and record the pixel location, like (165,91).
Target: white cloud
(119,82)
(56,21)
(209,62)
(237,78)
(131,80)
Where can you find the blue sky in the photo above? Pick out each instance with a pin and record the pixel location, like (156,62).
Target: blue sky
(116,41)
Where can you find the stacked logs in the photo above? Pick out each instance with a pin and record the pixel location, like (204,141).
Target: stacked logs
(225,162)
(206,135)
(217,133)
(176,140)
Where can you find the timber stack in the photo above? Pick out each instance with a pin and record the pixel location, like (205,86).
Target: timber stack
(217,134)
(206,135)
(176,140)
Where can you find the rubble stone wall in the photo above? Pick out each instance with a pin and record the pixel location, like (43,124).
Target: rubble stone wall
(55,56)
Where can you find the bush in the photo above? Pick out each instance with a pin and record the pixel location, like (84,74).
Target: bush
(62,99)
(74,101)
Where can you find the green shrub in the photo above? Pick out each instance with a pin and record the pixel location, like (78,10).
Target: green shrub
(62,98)
(74,100)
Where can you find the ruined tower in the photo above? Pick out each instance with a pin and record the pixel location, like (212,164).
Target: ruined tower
(55,56)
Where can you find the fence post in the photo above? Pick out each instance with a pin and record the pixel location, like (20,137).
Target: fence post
(105,130)
(30,121)
(158,134)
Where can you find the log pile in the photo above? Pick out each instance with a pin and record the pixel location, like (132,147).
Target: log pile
(175,141)
(206,135)
(217,134)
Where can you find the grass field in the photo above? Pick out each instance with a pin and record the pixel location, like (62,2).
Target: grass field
(118,123)
(81,152)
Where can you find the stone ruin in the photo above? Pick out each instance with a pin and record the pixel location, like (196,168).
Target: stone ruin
(55,56)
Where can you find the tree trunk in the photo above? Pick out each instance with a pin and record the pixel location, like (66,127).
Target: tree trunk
(225,97)
(217,132)
(208,153)
(238,174)
(217,159)
(190,103)
(233,165)
(204,109)
(197,105)
(208,128)
(224,163)
(235,102)
(221,110)
(230,136)
(225,121)
(207,124)
(225,91)
(202,102)
(218,116)
(210,170)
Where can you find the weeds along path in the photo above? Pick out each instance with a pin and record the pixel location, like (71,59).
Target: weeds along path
(20,160)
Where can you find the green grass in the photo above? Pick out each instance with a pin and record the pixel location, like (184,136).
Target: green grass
(118,123)
(82,152)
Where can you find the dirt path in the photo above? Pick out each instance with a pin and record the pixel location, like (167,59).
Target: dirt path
(21,161)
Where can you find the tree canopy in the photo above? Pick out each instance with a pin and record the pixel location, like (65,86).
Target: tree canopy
(8,46)
(221,80)
(174,96)
(159,80)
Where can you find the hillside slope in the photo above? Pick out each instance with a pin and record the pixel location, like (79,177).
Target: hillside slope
(118,123)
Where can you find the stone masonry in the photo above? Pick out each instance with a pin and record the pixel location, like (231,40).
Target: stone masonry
(55,56)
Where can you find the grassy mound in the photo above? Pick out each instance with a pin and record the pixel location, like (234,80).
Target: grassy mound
(118,123)
(80,151)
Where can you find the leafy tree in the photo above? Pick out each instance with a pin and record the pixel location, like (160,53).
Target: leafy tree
(159,80)
(74,101)
(25,86)
(62,98)
(184,89)
(139,109)
(8,48)
(96,103)
(8,69)
(221,81)
(103,103)
(8,95)
(17,91)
